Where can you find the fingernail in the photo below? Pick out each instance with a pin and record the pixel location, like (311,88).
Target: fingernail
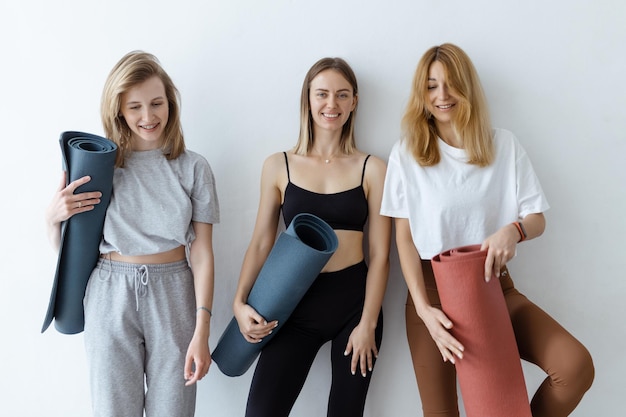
(345,353)
(370,369)
(353,372)
(271,331)
(364,374)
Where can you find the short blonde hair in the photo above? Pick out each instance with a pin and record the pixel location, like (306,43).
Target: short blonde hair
(472,122)
(305,139)
(133,69)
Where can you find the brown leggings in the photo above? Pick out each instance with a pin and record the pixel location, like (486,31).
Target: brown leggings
(540,340)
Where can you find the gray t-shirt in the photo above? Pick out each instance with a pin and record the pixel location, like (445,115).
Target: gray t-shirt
(154,201)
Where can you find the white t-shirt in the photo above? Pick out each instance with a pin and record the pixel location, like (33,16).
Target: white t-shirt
(154,201)
(454,203)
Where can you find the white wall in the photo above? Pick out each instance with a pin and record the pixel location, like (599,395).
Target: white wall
(553,72)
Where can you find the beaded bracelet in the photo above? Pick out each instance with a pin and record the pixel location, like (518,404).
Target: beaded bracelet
(205,309)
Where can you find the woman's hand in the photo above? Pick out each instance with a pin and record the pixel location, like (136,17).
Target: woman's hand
(198,359)
(438,324)
(252,325)
(65,204)
(500,248)
(362,345)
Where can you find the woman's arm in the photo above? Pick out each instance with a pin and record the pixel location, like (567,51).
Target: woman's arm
(252,325)
(501,245)
(435,320)
(362,342)
(202,264)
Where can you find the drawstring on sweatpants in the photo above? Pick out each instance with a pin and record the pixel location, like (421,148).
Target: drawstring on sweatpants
(141,283)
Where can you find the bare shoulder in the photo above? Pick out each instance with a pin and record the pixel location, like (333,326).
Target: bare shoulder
(274,162)
(375,166)
(274,170)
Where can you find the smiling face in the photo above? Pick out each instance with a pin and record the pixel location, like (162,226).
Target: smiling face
(331,99)
(441,100)
(146,111)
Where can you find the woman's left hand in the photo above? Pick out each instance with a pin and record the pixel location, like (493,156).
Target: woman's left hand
(197,361)
(362,345)
(500,248)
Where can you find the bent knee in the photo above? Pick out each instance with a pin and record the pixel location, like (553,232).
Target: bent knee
(575,369)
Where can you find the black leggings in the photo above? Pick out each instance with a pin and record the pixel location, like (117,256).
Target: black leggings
(330,310)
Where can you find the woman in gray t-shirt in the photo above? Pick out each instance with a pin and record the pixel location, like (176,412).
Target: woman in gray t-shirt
(147,316)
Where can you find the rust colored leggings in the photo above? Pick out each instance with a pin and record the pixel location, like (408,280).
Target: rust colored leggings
(540,340)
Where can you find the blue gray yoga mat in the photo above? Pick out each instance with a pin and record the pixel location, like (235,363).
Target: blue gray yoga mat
(83,154)
(296,259)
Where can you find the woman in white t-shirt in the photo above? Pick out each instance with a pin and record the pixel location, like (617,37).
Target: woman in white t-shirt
(452,181)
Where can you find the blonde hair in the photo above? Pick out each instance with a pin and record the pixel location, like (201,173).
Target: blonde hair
(347,142)
(471,123)
(133,69)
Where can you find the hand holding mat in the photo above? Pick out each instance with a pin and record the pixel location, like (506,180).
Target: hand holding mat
(490,373)
(296,259)
(83,154)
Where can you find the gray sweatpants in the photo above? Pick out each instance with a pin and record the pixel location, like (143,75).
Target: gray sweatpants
(139,320)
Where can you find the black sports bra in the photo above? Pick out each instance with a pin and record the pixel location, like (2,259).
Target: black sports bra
(345,210)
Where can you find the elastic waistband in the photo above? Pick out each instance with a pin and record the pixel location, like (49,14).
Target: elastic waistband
(429,277)
(356,266)
(125,267)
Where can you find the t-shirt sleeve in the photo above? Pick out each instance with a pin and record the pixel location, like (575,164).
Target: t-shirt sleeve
(394,202)
(530,196)
(204,194)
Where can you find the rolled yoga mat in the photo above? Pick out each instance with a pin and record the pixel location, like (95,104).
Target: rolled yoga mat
(490,373)
(83,154)
(296,259)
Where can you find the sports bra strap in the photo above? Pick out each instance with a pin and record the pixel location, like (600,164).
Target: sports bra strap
(287,165)
(363,174)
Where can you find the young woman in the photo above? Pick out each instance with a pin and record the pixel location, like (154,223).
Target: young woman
(454,181)
(326,175)
(148,301)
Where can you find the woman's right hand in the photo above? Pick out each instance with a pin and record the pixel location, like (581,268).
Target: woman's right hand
(65,203)
(438,324)
(252,325)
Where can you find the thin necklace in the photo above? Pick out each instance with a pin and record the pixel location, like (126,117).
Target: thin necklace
(327,160)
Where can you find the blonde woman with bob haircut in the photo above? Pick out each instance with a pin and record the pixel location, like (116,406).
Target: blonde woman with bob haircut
(133,70)
(148,300)
(453,181)
(326,175)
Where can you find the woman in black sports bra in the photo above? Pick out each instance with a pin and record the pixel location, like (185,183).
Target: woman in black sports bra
(326,175)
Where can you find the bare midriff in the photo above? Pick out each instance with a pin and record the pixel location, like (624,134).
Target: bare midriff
(174,255)
(348,253)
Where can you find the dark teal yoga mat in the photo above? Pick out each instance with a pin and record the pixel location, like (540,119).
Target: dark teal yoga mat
(83,154)
(296,259)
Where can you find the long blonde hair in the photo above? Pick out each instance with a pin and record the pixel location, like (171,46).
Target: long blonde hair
(347,142)
(471,122)
(133,69)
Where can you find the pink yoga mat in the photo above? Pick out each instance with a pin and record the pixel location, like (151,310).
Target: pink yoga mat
(490,373)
